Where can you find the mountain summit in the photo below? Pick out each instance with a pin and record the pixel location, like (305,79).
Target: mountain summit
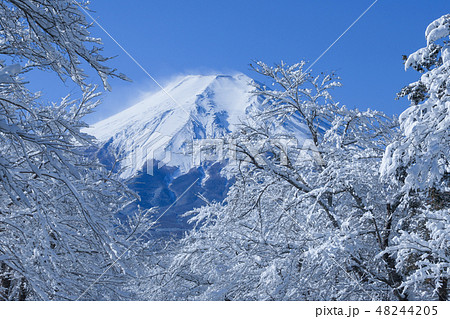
(153,141)
(164,124)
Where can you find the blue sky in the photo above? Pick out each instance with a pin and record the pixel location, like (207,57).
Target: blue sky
(198,36)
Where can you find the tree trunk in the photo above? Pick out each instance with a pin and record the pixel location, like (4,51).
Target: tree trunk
(5,282)
(443,289)
(394,278)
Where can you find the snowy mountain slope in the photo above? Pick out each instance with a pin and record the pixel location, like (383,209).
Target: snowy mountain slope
(160,129)
(153,140)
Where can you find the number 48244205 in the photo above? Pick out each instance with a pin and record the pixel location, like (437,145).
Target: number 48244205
(407,310)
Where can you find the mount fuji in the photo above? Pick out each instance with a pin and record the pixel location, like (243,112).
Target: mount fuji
(150,143)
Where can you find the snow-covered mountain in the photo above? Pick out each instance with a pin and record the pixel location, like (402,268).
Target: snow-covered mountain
(153,140)
(163,126)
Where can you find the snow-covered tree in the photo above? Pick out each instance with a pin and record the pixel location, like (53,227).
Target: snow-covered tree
(57,206)
(419,163)
(328,202)
(307,217)
(421,159)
